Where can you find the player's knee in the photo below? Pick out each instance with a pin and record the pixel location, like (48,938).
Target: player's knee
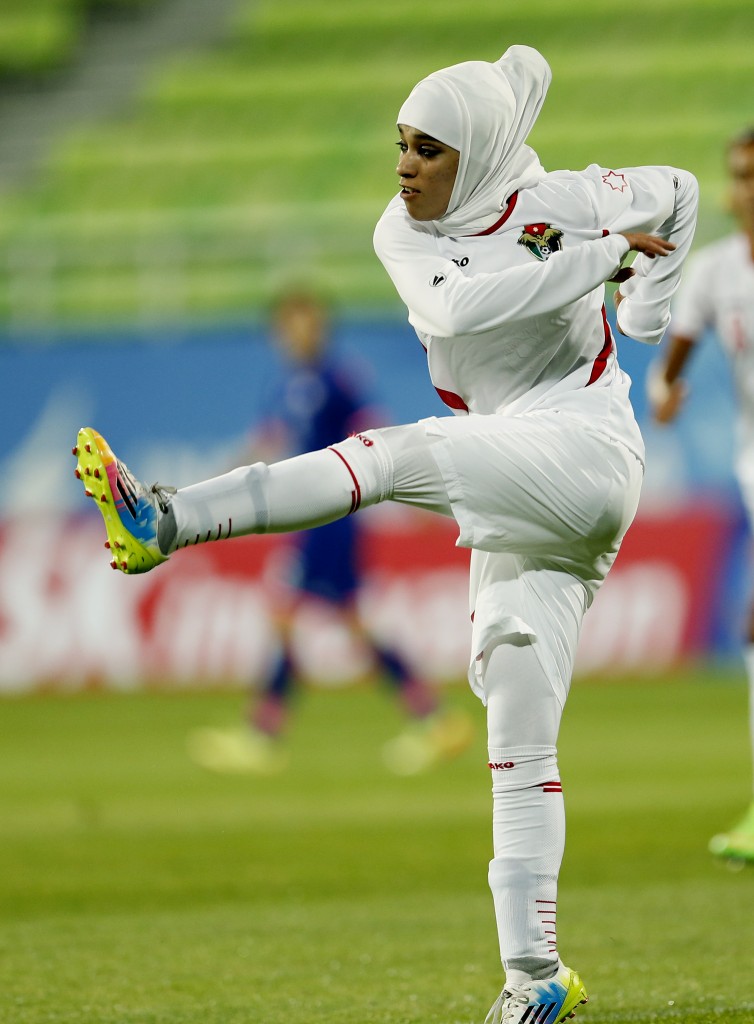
(370,464)
(519,768)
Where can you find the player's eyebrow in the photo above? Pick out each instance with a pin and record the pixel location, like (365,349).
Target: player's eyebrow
(422,137)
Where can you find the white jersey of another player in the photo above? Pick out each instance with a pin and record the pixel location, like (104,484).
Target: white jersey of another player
(513,319)
(717,292)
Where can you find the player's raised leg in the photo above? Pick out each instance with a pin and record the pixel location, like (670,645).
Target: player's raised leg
(146,524)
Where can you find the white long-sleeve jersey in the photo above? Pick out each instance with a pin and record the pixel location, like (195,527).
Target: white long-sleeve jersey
(717,291)
(513,319)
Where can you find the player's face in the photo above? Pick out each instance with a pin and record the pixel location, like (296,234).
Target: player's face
(301,326)
(427,169)
(741,168)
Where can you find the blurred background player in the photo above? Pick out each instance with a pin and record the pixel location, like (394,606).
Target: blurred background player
(319,402)
(718,292)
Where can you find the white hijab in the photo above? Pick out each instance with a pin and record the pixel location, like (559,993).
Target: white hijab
(485,111)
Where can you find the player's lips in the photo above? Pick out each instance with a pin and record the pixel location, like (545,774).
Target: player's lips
(407,192)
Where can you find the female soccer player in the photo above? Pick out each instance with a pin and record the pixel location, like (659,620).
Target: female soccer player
(502,268)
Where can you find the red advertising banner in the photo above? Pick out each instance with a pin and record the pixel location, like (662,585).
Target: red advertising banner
(208,616)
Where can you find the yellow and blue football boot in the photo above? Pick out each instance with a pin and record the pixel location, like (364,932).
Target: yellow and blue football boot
(540,1002)
(132,511)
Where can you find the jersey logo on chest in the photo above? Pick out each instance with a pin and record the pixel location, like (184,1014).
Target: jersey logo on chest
(541,239)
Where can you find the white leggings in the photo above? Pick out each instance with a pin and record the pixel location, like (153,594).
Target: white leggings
(569,496)
(309,490)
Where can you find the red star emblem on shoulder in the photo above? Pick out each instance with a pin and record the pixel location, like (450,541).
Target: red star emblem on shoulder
(617,182)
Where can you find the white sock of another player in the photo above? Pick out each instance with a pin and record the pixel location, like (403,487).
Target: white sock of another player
(299,493)
(528,829)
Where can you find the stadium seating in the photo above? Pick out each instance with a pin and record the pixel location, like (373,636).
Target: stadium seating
(39,37)
(274,152)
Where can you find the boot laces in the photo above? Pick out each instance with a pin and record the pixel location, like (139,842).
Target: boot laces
(163,493)
(508,1005)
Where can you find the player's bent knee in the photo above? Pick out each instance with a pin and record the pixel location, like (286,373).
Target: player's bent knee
(368,460)
(517,768)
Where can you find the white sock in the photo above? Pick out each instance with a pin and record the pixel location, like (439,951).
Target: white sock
(528,830)
(299,493)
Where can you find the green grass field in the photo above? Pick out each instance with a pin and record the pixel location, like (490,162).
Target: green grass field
(136,889)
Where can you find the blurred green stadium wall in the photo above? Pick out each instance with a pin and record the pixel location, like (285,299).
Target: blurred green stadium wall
(270,149)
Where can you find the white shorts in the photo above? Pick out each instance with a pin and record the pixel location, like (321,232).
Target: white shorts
(544,502)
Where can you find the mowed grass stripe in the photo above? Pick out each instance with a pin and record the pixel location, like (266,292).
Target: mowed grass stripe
(138,889)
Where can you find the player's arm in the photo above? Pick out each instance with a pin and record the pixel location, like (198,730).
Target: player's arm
(446,302)
(663,201)
(693,313)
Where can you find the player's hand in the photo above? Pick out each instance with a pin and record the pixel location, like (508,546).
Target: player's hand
(665,398)
(650,245)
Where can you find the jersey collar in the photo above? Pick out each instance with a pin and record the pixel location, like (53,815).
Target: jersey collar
(510,207)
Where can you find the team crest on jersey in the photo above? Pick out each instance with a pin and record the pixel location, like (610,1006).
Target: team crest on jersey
(542,240)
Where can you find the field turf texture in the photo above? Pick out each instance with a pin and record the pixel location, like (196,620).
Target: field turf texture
(138,889)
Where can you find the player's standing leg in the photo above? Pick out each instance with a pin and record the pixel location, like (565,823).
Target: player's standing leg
(737,844)
(523,714)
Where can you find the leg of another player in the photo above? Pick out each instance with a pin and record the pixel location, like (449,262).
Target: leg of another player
(436,733)
(737,844)
(256,746)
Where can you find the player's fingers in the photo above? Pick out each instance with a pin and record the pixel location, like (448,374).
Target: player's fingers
(650,245)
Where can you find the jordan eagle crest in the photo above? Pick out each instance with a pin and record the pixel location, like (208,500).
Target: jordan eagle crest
(541,239)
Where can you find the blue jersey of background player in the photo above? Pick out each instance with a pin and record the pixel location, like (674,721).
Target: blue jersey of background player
(318,403)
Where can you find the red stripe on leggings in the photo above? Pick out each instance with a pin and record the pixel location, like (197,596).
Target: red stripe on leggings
(356,493)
